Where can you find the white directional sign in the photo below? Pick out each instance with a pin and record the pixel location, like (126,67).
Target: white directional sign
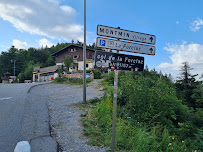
(125,46)
(125,34)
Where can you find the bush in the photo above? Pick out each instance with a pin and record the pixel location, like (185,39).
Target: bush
(129,137)
(88,71)
(72,81)
(58,80)
(97,74)
(110,78)
(151,101)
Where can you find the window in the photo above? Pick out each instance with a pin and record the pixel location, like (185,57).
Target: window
(76,57)
(73,50)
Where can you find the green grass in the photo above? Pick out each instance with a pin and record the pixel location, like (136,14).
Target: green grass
(71,81)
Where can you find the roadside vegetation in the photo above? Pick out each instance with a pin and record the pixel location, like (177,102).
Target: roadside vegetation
(71,81)
(153,113)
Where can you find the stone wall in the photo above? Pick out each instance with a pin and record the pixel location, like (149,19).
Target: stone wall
(78,75)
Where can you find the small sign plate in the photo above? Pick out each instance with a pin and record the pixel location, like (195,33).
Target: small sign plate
(125,46)
(125,34)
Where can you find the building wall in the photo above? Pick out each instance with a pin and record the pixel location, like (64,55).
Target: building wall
(4,81)
(80,65)
(78,75)
(44,77)
(75,52)
(47,77)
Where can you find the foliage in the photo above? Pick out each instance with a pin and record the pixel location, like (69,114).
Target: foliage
(186,86)
(97,74)
(71,81)
(50,61)
(150,117)
(129,137)
(59,80)
(88,71)
(27,74)
(68,61)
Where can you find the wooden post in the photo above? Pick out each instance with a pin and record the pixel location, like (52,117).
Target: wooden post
(114,109)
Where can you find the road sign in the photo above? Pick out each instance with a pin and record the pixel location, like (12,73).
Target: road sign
(118,61)
(125,46)
(125,34)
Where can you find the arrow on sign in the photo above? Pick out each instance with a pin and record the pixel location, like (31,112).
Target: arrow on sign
(151,50)
(151,38)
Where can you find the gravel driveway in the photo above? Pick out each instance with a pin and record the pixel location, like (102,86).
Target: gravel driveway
(65,122)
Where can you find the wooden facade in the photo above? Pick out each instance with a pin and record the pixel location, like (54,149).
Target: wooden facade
(75,51)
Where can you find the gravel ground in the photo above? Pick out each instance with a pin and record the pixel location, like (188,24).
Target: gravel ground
(65,122)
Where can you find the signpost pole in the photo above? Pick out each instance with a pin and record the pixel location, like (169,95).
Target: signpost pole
(114,109)
(84,56)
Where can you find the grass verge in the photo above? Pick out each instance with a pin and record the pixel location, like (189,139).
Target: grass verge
(71,81)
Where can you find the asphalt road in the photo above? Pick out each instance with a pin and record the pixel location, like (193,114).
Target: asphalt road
(12,103)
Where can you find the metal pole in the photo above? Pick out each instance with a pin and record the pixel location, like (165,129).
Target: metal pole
(14,67)
(84,56)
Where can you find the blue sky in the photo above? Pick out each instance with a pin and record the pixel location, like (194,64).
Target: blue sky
(178,26)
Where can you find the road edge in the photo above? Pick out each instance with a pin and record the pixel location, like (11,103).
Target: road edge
(37,84)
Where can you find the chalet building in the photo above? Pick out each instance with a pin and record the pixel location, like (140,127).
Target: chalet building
(76,52)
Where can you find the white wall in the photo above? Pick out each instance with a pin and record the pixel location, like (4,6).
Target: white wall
(80,65)
(56,75)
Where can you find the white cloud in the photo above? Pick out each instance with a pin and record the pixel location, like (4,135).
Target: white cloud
(196,25)
(20,45)
(45,17)
(177,22)
(44,42)
(192,53)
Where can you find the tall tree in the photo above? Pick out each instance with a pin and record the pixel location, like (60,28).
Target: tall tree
(146,67)
(170,77)
(160,73)
(186,84)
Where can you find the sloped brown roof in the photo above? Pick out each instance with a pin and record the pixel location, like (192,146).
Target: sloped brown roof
(78,46)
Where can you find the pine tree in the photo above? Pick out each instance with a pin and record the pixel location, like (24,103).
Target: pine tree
(160,74)
(170,77)
(146,67)
(186,84)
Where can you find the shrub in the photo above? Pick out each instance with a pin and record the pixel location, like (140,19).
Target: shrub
(88,71)
(58,80)
(72,81)
(110,78)
(97,74)
(129,137)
